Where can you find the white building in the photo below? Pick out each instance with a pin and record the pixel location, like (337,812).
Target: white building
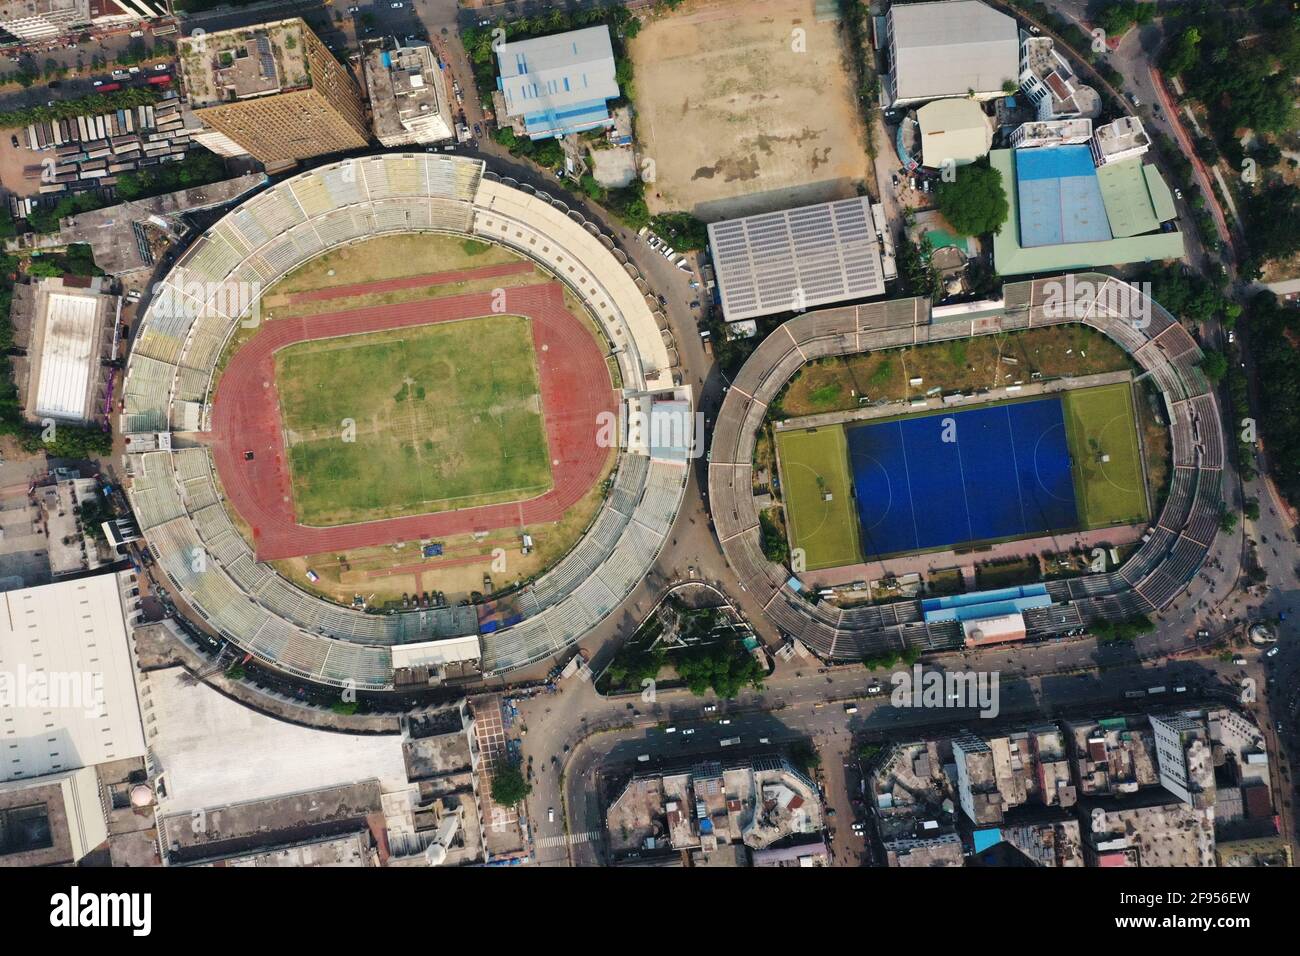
(408,97)
(1051,85)
(1125,138)
(1185,758)
(1066,132)
(949,48)
(67,681)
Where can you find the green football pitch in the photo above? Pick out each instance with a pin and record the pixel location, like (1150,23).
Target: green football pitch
(440,416)
(1109,486)
(817,491)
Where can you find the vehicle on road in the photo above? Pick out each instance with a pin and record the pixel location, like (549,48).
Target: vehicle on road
(1239,661)
(643,758)
(724,721)
(874,689)
(670,730)
(850,708)
(1272,652)
(730,741)
(1178,193)
(550,814)
(710,708)
(688,731)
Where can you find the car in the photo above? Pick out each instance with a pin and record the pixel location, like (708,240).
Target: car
(725,720)
(670,730)
(893,178)
(710,708)
(1178,193)
(688,731)
(1272,651)
(550,811)
(353,9)
(1239,661)
(764,740)
(874,689)
(397,4)
(1134,100)
(98,83)
(858,826)
(136,34)
(133,69)
(1232,336)
(1202,634)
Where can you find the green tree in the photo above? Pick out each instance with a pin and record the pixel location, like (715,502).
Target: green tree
(1214,365)
(508,785)
(1227,521)
(974,203)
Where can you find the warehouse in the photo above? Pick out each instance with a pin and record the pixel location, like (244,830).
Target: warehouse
(796,259)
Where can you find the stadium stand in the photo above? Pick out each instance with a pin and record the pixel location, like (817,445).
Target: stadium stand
(196,310)
(1163,566)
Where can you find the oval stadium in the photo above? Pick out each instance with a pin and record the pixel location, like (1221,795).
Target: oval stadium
(287,397)
(1170,551)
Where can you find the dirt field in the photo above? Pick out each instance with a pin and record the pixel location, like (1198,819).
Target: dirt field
(735,118)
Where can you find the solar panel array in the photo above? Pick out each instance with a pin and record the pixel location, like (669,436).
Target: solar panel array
(796,259)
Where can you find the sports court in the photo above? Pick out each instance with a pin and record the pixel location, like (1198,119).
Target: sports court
(819,496)
(950,478)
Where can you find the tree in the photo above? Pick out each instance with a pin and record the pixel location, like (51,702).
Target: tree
(805,757)
(974,203)
(1183,52)
(508,785)
(1251,509)
(1214,365)
(1227,521)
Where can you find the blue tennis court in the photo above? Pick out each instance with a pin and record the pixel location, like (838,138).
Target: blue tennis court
(962,476)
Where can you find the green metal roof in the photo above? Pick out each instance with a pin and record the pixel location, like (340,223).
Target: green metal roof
(1010,258)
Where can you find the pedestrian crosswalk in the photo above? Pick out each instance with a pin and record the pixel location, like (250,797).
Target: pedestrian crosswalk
(562,839)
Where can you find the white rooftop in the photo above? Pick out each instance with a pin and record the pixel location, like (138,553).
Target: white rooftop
(214,751)
(67,684)
(951,47)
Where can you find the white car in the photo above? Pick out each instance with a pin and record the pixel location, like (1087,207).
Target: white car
(396,6)
(1272,651)
(99,83)
(1178,194)
(550,811)
(710,708)
(688,730)
(725,721)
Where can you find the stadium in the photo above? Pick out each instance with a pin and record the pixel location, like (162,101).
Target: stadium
(226,408)
(897,485)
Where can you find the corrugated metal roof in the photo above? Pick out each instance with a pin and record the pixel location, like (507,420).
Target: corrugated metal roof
(951,47)
(796,259)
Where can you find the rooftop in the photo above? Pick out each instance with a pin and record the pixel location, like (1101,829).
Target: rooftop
(953,129)
(230,65)
(796,259)
(558,83)
(408,97)
(1012,257)
(1122,135)
(950,48)
(67,648)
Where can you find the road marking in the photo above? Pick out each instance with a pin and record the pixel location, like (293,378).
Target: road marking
(546,843)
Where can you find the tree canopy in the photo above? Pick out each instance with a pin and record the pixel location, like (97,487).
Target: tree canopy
(974,203)
(508,785)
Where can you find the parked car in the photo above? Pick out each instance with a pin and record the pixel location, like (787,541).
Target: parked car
(1272,651)
(550,811)
(1178,193)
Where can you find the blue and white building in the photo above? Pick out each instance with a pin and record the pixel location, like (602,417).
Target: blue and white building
(558,84)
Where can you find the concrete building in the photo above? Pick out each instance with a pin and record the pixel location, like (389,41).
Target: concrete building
(1172,834)
(1049,82)
(1115,142)
(953,132)
(54,820)
(66,325)
(1184,758)
(1067,132)
(796,259)
(949,48)
(408,97)
(943,850)
(1112,757)
(43,19)
(559,84)
(275,90)
(977,786)
(67,684)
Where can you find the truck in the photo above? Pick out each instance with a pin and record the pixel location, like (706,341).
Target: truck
(730,741)
(1155,690)
(160,79)
(707,339)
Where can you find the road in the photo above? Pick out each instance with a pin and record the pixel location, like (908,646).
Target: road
(588,745)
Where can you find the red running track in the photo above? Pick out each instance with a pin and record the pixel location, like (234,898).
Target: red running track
(575,390)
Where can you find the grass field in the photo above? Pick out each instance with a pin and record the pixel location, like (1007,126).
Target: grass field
(815,463)
(446,416)
(1101,422)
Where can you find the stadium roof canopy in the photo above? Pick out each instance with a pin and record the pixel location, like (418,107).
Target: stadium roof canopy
(796,259)
(67,684)
(950,48)
(559,84)
(955,129)
(1012,257)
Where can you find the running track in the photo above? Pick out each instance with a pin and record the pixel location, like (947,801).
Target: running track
(575,389)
